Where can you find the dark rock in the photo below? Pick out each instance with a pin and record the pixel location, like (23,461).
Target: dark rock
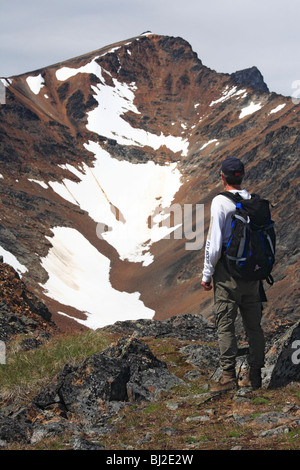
(204,357)
(251,76)
(48,429)
(127,371)
(186,326)
(283,359)
(13,431)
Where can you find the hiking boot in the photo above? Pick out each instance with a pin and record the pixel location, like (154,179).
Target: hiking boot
(252,379)
(226,382)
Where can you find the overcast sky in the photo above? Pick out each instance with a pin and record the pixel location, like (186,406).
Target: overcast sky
(227,35)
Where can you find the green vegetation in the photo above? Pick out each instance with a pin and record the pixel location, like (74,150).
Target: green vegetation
(26,371)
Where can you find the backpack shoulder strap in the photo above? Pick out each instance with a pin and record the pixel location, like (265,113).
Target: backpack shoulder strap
(235,197)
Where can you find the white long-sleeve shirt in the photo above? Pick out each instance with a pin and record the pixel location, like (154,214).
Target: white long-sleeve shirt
(218,236)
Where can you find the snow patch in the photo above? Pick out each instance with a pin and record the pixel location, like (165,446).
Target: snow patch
(113,102)
(92,67)
(35,83)
(229,92)
(10,259)
(278,108)
(41,183)
(106,119)
(79,277)
(209,142)
(250,109)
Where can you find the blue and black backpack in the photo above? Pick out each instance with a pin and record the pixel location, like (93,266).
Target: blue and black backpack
(250,252)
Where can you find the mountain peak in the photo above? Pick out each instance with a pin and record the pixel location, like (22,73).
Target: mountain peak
(252,77)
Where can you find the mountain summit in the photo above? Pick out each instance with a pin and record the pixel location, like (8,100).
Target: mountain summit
(109,162)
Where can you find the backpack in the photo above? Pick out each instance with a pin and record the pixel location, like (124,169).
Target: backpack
(250,252)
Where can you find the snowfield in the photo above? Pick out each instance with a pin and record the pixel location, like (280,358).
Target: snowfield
(79,277)
(122,196)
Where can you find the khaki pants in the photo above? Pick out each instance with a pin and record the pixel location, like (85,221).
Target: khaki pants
(231,295)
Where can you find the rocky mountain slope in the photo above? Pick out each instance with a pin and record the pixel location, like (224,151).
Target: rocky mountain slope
(93,152)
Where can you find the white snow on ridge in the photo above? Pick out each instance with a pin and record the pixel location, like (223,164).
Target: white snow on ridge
(123,196)
(92,67)
(35,83)
(278,108)
(250,109)
(229,92)
(113,102)
(79,277)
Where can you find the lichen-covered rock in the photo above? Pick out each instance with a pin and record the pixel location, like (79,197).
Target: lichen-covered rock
(126,371)
(283,360)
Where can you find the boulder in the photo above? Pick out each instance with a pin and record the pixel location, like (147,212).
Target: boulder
(283,359)
(126,371)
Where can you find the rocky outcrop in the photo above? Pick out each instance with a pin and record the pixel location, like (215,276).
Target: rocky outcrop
(88,395)
(283,359)
(282,348)
(190,327)
(127,371)
(250,77)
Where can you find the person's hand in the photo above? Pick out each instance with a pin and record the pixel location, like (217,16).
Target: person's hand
(206,285)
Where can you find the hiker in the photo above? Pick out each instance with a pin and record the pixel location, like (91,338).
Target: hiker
(231,294)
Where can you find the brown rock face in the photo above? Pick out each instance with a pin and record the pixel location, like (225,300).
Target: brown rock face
(146,99)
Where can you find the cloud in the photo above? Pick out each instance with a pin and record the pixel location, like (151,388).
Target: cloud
(227,36)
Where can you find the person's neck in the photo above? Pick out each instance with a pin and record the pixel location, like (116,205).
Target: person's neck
(228,187)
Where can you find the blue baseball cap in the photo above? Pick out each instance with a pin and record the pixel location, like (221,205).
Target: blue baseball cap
(232,166)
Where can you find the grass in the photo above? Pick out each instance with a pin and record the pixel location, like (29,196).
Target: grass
(25,371)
